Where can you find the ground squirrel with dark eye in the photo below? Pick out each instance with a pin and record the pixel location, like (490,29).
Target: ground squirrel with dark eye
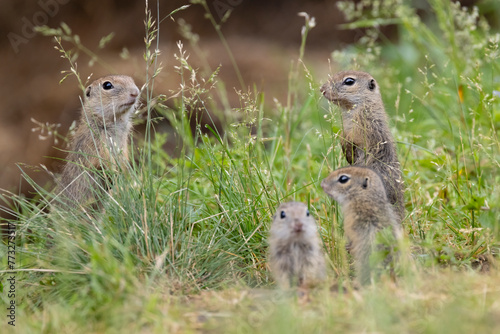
(367,211)
(366,139)
(100,140)
(296,256)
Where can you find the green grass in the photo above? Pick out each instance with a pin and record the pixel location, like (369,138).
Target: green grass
(182,247)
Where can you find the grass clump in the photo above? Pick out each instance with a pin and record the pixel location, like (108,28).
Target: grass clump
(182,243)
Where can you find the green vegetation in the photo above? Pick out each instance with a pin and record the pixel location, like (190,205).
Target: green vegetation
(181,246)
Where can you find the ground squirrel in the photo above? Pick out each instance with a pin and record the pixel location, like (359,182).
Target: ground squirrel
(100,139)
(295,252)
(363,200)
(367,140)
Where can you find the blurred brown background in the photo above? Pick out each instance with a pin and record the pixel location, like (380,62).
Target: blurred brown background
(263,35)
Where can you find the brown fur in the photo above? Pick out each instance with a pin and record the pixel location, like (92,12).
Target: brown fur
(362,197)
(295,253)
(367,140)
(100,139)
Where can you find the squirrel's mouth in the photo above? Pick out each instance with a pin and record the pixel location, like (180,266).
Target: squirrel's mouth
(130,103)
(324,185)
(124,108)
(329,95)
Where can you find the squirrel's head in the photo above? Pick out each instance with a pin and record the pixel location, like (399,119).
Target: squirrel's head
(348,183)
(350,88)
(111,95)
(292,220)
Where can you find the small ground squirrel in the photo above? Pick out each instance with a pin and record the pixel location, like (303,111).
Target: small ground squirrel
(367,140)
(296,257)
(363,200)
(100,139)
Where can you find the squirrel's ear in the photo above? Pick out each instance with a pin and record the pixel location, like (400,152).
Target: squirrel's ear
(371,84)
(87,91)
(365,183)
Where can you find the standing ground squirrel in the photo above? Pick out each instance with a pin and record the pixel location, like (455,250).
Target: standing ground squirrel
(100,139)
(362,197)
(367,140)
(295,253)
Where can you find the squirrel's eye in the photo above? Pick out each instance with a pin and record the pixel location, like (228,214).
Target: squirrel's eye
(349,81)
(344,178)
(307,213)
(282,214)
(107,85)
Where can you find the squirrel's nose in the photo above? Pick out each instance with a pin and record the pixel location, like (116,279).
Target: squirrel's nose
(298,227)
(322,89)
(135,93)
